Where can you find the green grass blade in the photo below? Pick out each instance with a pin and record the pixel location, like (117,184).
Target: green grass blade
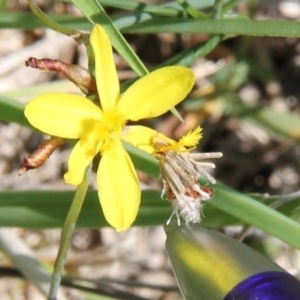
(229,5)
(28,21)
(48,22)
(221,26)
(189,56)
(12,111)
(257,214)
(48,209)
(95,13)
(168,7)
(191,10)
(159,10)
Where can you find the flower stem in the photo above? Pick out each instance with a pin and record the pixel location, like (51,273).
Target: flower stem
(67,233)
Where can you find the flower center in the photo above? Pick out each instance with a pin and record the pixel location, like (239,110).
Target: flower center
(110,128)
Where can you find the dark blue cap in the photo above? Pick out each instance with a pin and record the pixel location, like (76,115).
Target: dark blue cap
(266,286)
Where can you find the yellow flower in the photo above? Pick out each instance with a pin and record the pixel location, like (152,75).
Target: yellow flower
(100,129)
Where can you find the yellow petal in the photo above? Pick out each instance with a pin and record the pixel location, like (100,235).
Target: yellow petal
(63,115)
(118,188)
(106,75)
(155,93)
(80,157)
(140,137)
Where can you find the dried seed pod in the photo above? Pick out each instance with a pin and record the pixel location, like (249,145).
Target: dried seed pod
(80,76)
(180,171)
(40,155)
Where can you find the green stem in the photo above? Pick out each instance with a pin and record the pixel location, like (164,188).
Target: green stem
(49,23)
(193,12)
(95,13)
(228,6)
(67,234)
(217,9)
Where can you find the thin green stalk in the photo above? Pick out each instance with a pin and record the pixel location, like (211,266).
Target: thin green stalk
(192,11)
(47,21)
(67,234)
(95,13)
(189,56)
(229,6)
(217,9)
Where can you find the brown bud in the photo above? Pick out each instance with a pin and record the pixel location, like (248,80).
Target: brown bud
(80,76)
(40,155)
